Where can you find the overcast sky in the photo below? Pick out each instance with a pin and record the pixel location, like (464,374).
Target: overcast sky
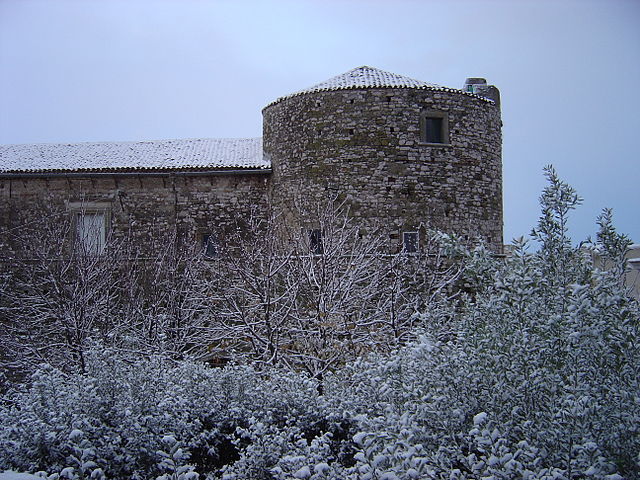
(108,70)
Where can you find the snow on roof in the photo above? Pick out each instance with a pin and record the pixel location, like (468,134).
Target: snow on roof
(192,154)
(370,77)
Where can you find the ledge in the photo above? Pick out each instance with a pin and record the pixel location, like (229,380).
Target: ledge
(425,144)
(143,173)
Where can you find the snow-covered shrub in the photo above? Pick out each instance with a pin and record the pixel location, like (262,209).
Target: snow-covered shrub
(535,375)
(126,410)
(173,460)
(549,349)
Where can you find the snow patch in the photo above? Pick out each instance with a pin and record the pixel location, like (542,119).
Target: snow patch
(8,475)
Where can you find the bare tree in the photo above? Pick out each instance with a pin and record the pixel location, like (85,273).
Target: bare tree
(167,303)
(307,297)
(338,275)
(254,304)
(58,294)
(315,296)
(61,291)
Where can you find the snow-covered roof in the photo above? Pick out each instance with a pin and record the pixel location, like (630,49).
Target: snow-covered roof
(370,77)
(158,155)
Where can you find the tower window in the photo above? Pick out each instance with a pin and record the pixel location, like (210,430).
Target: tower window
(434,127)
(209,245)
(315,242)
(410,242)
(433,130)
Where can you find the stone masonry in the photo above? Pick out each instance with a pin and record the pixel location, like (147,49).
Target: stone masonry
(359,137)
(142,207)
(365,145)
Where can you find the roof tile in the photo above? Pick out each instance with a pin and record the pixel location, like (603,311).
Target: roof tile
(367,77)
(227,153)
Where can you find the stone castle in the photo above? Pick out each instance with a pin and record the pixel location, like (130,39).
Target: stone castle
(402,153)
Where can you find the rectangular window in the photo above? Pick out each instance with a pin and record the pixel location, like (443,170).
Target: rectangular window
(91,232)
(90,222)
(433,130)
(410,242)
(315,242)
(434,127)
(209,245)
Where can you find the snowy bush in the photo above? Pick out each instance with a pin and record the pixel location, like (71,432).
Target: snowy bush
(142,418)
(548,348)
(535,375)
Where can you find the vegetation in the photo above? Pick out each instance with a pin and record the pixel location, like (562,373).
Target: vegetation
(534,376)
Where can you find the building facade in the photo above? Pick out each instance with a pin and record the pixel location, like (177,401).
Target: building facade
(402,154)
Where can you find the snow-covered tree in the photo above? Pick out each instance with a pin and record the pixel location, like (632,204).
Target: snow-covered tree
(58,298)
(166,305)
(312,299)
(534,376)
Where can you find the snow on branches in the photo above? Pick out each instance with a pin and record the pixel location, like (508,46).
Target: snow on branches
(535,375)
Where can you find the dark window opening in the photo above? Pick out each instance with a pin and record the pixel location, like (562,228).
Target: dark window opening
(351,131)
(410,242)
(315,242)
(433,130)
(209,246)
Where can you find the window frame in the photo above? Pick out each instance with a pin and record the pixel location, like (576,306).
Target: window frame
(209,240)
(316,244)
(79,210)
(444,133)
(415,242)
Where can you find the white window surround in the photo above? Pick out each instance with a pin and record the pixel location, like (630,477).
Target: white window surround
(90,224)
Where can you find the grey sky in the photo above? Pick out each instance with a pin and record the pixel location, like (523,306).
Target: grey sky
(568,71)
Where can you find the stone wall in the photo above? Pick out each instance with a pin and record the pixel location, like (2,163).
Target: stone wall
(365,146)
(142,207)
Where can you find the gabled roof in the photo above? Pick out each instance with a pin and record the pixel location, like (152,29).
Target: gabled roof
(157,155)
(369,77)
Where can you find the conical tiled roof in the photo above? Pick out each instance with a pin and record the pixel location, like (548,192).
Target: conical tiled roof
(367,77)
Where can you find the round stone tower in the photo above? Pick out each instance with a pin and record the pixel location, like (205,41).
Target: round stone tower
(402,153)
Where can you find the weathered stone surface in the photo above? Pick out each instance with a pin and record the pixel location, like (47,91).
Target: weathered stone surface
(366,146)
(141,207)
(362,145)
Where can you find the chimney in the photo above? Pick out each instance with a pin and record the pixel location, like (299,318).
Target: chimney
(479,87)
